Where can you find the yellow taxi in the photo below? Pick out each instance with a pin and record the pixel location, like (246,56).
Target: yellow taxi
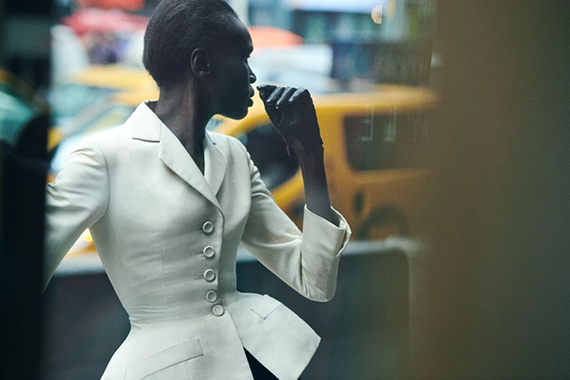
(86,89)
(373,147)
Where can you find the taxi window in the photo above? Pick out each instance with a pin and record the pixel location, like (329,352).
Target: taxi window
(386,141)
(68,100)
(15,114)
(115,115)
(268,152)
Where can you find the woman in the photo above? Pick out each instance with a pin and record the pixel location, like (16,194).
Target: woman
(168,203)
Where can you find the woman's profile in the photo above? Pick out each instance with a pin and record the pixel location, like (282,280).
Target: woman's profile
(168,203)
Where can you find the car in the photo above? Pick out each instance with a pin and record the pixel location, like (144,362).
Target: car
(374,143)
(373,147)
(86,90)
(19,107)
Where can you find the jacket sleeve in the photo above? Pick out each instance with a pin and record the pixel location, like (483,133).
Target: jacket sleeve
(76,200)
(308,261)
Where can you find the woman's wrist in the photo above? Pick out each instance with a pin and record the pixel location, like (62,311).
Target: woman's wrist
(314,156)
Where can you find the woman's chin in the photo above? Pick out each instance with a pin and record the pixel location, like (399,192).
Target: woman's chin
(236,115)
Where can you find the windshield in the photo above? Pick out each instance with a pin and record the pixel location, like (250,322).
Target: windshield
(68,100)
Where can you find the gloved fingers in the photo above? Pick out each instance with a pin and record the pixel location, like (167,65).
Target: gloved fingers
(292,112)
(285,96)
(274,114)
(295,99)
(265,90)
(275,95)
(299,95)
(281,96)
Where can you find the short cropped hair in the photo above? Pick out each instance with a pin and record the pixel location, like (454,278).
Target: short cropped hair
(175,29)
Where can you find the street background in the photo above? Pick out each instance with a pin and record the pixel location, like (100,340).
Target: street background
(447,142)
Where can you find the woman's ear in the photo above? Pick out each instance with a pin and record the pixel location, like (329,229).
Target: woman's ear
(200,62)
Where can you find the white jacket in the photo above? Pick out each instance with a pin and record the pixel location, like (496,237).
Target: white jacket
(168,235)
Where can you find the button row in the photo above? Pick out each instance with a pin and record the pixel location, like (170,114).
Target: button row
(209,274)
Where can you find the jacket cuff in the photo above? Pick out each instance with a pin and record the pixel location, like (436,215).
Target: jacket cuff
(331,238)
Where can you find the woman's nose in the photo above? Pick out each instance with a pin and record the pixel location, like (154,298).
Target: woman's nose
(252,77)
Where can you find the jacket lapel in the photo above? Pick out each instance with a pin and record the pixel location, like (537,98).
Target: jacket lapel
(214,164)
(146,126)
(177,158)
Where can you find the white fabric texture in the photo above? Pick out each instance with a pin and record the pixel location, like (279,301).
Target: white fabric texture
(152,215)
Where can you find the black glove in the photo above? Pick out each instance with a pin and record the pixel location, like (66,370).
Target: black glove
(292,113)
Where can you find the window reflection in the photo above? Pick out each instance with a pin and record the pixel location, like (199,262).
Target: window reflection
(386,141)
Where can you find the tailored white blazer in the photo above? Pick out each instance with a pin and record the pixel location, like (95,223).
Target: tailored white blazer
(168,235)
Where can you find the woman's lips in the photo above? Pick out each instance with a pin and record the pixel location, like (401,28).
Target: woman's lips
(251,95)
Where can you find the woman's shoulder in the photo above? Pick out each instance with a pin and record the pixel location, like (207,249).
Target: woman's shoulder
(225,142)
(106,142)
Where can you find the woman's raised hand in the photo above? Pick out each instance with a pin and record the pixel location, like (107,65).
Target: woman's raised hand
(292,113)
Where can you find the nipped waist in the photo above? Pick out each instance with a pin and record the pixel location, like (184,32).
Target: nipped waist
(210,303)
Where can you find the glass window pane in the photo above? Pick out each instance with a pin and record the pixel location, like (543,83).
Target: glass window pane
(386,141)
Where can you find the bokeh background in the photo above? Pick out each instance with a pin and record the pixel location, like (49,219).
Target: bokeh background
(446,130)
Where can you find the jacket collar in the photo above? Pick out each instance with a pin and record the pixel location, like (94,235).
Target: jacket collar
(146,126)
(143,124)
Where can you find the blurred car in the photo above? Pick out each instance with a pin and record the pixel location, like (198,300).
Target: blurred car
(106,113)
(373,148)
(19,107)
(86,90)
(374,143)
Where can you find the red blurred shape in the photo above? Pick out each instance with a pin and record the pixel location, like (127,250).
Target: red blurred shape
(268,37)
(130,5)
(104,21)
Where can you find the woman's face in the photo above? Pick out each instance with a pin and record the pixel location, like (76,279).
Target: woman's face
(231,75)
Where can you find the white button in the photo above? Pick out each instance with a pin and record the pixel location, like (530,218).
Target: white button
(209,251)
(209,275)
(211,296)
(207,227)
(218,310)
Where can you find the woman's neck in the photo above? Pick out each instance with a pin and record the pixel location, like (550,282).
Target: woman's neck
(180,111)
